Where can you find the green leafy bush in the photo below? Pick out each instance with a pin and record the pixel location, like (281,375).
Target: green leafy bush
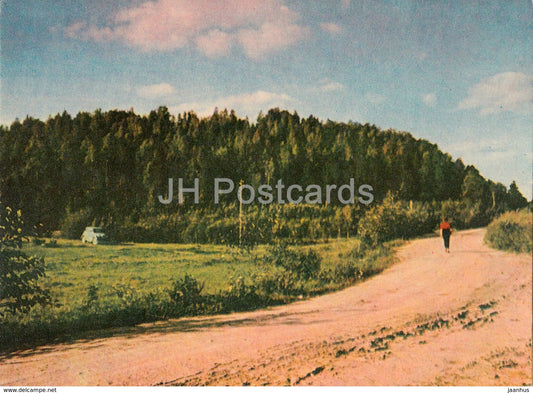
(358,249)
(303,264)
(276,285)
(348,271)
(396,219)
(512,231)
(91,299)
(51,244)
(19,273)
(240,295)
(185,294)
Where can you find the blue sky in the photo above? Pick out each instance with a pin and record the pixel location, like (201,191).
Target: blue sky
(459,74)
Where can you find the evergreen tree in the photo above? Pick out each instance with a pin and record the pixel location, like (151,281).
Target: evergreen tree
(515,198)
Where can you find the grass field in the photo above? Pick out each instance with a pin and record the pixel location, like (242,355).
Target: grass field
(72,267)
(96,287)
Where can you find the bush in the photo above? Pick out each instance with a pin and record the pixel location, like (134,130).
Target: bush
(276,285)
(464,214)
(240,296)
(347,271)
(19,273)
(91,299)
(260,225)
(303,264)
(511,232)
(396,220)
(51,244)
(185,293)
(358,249)
(37,242)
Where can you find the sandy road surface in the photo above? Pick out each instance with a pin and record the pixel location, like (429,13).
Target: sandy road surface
(463,318)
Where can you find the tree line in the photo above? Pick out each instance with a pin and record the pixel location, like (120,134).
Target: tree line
(108,168)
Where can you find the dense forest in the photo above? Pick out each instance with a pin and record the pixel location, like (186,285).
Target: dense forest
(108,168)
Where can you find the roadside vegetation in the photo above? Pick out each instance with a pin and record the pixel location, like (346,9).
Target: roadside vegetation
(512,231)
(20,289)
(95,287)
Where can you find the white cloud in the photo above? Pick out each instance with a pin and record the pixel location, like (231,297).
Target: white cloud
(331,28)
(249,104)
(89,33)
(216,43)
(155,91)
(508,91)
(430,99)
(270,37)
(214,27)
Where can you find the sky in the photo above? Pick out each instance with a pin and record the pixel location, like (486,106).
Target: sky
(457,73)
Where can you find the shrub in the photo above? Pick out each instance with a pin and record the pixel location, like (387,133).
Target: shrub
(303,264)
(358,249)
(19,273)
(347,271)
(37,242)
(464,214)
(511,231)
(91,299)
(275,285)
(240,296)
(396,220)
(185,293)
(51,244)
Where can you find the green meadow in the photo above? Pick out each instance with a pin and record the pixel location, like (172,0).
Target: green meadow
(96,287)
(73,267)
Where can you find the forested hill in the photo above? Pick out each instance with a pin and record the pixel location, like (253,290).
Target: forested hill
(110,167)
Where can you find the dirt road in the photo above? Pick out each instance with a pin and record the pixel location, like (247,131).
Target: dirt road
(463,318)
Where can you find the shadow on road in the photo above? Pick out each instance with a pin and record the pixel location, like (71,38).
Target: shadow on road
(91,339)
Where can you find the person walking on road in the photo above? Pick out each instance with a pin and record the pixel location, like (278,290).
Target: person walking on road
(445,233)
